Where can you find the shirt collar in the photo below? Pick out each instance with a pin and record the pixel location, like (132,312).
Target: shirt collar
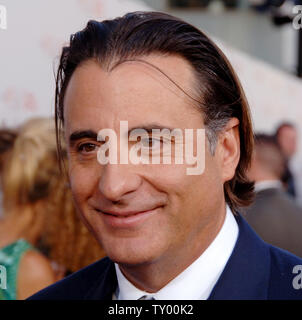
(197,281)
(267,184)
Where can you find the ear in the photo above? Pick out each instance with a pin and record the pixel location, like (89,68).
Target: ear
(229,145)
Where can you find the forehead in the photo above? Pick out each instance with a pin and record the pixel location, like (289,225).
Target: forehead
(171,72)
(148,88)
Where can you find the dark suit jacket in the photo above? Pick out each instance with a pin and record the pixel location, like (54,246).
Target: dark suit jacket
(289,180)
(255,270)
(276,219)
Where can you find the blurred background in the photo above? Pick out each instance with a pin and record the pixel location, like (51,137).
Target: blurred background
(258,37)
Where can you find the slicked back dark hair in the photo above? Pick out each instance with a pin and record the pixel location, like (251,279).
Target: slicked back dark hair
(218,90)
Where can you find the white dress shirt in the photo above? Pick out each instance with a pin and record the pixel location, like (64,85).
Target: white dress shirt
(198,280)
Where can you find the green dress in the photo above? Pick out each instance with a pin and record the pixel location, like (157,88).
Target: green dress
(10,257)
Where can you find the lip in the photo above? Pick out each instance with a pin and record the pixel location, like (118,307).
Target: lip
(127,219)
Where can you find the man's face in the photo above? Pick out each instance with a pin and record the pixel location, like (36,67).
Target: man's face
(140,213)
(287,139)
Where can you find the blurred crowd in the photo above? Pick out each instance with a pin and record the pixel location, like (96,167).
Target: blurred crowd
(275,214)
(43,240)
(41,237)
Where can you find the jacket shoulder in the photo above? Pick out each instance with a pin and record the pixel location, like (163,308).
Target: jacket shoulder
(285,276)
(77,285)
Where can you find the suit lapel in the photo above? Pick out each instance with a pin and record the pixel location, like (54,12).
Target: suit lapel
(106,285)
(246,275)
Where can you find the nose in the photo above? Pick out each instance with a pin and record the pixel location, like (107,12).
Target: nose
(117,181)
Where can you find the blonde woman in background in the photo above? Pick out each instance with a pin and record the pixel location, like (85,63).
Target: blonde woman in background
(7,138)
(39,214)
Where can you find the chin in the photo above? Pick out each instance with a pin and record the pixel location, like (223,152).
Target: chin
(131,253)
(129,259)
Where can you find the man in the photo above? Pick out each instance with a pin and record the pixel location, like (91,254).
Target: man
(286,136)
(273,215)
(168,234)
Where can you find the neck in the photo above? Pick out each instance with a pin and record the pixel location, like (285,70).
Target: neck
(264,175)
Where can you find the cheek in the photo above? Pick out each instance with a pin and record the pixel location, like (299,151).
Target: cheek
(184,191)
(172,181)
(195,193)
(175,178)
(83,181)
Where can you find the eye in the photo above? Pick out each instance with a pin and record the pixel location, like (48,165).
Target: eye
(151,143)
(86,148)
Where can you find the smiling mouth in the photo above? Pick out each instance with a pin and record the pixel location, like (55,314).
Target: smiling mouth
(124,214)
(127,219)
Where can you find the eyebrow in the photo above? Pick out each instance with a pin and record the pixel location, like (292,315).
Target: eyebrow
(90,134)
(149,127)
(77,135)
